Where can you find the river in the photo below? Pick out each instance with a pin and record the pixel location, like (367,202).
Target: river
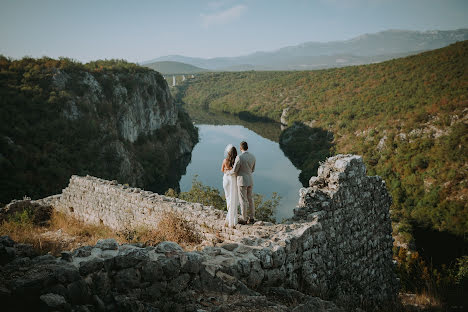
(274,172)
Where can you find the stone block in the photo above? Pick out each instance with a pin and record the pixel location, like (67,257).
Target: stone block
(126,279)
(191,262)
(91,265)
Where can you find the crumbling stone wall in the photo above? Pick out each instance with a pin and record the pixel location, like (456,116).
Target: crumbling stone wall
(109,277)
(353,210)
(337,244)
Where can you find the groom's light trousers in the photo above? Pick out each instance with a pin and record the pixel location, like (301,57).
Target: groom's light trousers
(246,202)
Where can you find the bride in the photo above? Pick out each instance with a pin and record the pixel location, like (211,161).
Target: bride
(230,185)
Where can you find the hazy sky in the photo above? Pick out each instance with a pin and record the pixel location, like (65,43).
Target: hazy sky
(141,30)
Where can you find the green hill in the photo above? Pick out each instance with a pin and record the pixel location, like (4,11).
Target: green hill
(61,117)
(407,117)
(168,67)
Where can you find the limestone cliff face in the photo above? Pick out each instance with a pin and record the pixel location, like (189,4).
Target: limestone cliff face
(131,107)
(139,107)
(117,123)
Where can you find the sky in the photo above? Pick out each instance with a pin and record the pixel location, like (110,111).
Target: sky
(141,30)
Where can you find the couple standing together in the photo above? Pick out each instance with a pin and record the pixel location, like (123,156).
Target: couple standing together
(238,184)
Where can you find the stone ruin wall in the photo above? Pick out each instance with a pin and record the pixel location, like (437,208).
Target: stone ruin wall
(337,243)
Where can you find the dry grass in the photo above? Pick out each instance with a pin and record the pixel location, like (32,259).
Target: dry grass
(59,233)
(171,227)
(90,233)
(420,302)
(62,232)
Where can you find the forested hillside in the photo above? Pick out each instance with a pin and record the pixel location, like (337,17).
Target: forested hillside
(408,117)
(111,119)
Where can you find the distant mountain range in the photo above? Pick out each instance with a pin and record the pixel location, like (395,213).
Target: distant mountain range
(169,67)
(365,49)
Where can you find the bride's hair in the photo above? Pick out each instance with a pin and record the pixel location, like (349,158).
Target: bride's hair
(231,156)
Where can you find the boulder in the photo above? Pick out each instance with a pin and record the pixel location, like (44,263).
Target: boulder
(54,301)
(107,244)
(168,247)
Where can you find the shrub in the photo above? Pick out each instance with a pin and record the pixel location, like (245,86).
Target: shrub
(25,217)
(265,209)
(444,284)
(203,194)
(171,227)
(462,272)
(209,196)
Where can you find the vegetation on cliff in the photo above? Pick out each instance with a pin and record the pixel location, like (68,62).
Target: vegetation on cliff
(306,147)
(61,117)
(265,209)
(434,285)
(407,117)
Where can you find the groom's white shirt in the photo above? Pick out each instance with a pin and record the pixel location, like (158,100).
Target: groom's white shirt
(243,168)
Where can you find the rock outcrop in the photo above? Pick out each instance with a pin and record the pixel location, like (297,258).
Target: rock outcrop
(128,107)
(284,118)
(117,121)
(139,110)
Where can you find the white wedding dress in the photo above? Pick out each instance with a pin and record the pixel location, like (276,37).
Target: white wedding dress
(232,195)
(232,198)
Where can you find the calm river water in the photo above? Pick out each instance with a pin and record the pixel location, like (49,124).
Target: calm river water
(274,172)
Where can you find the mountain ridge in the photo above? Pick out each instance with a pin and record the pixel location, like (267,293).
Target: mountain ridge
(364,49)
(171,67)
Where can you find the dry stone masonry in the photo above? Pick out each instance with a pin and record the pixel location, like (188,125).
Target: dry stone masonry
(337,245)
(109,277)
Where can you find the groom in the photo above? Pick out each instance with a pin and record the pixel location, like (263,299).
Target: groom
(244,166)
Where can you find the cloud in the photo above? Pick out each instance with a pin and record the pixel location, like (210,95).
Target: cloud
(223,17)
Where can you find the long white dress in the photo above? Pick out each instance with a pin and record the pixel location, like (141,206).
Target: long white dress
(232,198)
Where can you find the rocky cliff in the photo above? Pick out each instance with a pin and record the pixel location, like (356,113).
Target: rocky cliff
(136,105)
(110,119)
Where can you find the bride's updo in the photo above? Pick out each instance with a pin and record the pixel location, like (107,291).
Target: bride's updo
(231,156)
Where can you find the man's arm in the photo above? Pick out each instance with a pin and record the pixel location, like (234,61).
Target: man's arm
(236,166)
(253,166)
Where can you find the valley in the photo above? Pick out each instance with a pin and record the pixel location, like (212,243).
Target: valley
(408,117)
(117,126)
(117,120)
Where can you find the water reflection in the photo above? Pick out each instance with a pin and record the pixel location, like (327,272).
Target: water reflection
(274,171)
(267,129)
(306,147)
